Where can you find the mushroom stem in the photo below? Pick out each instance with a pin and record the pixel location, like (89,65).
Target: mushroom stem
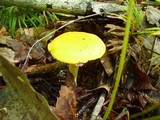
(73,68)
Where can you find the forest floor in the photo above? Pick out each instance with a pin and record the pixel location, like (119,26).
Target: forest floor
(139,89)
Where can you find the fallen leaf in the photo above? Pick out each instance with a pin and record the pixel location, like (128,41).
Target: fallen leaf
(18,97)
(106,63)
(113,116)
(66,104)
(149,43)
(142,81)
(3,31)
(142,100)
(120,103)
(8,53)
(153,15)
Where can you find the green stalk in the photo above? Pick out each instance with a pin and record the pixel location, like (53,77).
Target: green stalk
(122,58)
(153,118)
(146,111)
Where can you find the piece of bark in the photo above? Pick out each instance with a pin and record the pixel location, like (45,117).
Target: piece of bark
(74,7)
(45,72)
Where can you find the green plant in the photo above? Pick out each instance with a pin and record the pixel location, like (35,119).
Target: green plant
(122,58)
(138,17)
(12,17)
(152,2)
(15,104)
(149,109)
(154,32)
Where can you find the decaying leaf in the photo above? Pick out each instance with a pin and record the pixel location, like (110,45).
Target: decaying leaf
(8,53)
(124,115)
(18,97)
(14,51)
(149,43)
(66,104)
(142,100)
(106,62)
(8,48)
(153,15)
(3,31)
(142,81)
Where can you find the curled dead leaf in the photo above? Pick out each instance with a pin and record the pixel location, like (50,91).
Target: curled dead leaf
(66,104)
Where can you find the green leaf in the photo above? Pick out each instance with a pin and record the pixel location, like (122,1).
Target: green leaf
(13,24)
(18,99)
(22,18)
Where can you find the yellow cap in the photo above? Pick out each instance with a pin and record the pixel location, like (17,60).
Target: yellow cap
(76,47)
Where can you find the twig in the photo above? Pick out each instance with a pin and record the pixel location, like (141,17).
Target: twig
(98,106)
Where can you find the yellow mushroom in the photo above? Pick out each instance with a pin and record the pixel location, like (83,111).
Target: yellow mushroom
(76,48)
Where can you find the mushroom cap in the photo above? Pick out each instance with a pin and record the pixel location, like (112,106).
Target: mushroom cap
(76,47)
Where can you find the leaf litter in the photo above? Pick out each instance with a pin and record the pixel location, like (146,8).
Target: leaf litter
(70,102)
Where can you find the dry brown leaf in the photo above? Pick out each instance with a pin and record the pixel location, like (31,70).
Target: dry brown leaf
(142,100)
(8,53)
(3,31)
(66,104)
(106,63)
(142,81)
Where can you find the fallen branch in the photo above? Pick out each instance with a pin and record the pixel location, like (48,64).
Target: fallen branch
(74,7)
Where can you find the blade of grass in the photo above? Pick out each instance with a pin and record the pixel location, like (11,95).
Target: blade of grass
(39,21)
(22,18)
(52,16)
(30,19)
(36,18)
(153,118)
(45,18)
(122,58)
(20,24)
(13,22)
(153,107)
